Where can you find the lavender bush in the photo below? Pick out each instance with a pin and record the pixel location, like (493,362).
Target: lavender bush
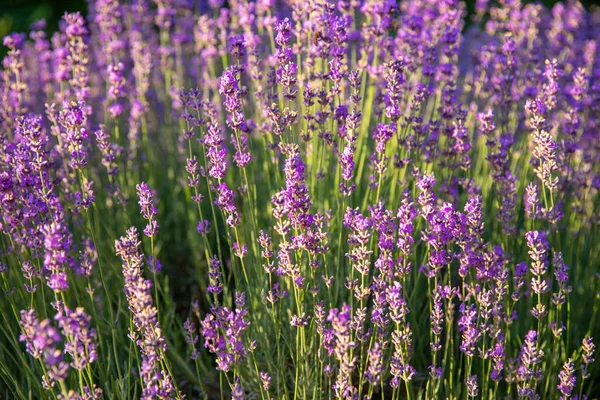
(301,200)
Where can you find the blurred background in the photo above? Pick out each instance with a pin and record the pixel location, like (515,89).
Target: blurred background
(17,15)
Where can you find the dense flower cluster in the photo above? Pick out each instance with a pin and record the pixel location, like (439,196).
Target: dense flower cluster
(357,199)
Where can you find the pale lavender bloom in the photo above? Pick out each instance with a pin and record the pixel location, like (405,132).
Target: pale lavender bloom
(467,325)
(472,386)
(567,380)
(109,151)
(57,242)
(532,201)
(375,368)
(528,371)
(538,251)
(265,380)
(116,89)
(148,210)
(222,329)
(87,257)
(237,392)
(562,278)
(398,307)
(76,33)
(588,349)
(498,356)
(13,93)
(427,197)
(358,239)
(81,338)
(275,294)
(225,201)
(72,119)
(29,272)
(191,337)
(341,335)
(42,341)
(147,333)
(214,273)
(474,214)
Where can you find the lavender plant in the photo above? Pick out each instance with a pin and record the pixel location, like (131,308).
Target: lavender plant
(284,199)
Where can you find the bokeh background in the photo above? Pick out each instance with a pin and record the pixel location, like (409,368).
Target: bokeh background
(17,15)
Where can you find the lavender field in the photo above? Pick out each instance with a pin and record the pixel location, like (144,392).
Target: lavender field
(302,199)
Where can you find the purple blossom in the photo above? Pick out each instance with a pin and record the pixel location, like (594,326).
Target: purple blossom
(467,325)
(147,332)
(148,210)
(340,320)
(80,337)
(528,370)
(57,242)
(225,201)
(76,33)
(222,329)
(191,337)
(567,379)
(295,196)
(72,119)
(42,341)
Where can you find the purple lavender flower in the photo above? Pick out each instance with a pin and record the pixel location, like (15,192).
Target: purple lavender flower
(214,272)
(406,214)
(191,337)
(498,356)
(467,325)
(567,379)
(397,305)
(275,294)
(228,86)
(427,197)
(375,368)
(225,201)
(109,151)
(203,227)
(81,338)
(532,204)
(148,333)
(341,335)
(358,240)
(57,242)
(222,329)
(528,371)
(76,33)
(286,74)
(87,257)
(72,118)
(589,349)
(562,278)
(237,392)
(116,89)
(346,158)
(472,386)
(42,341)
(295,196)
(242,155)
(148,210)
(216,154)
(382,134)
(265,380)
(538,250)
(13,95)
